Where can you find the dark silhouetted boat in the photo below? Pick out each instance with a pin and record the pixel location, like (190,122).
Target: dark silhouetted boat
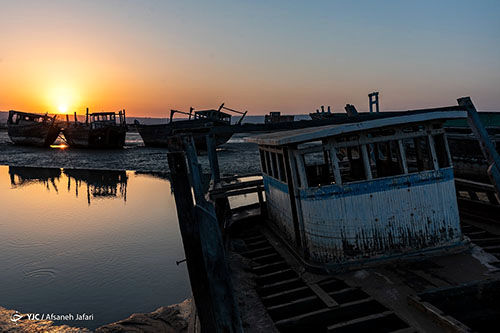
(100,130)
(32,129)
(158,135)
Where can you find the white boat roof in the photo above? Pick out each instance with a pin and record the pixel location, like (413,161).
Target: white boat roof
(316,133)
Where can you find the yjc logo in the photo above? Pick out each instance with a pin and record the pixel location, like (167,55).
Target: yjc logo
(15,317)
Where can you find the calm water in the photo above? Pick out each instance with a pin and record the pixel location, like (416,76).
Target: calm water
(99,242)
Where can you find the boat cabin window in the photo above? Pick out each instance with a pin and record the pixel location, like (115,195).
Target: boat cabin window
(442,153)
(21,118)
(418,154)
(385,159)
(377,154)
(104,117)
(213,114)
(360,156)
(273,164)
(351,164)
(319,169)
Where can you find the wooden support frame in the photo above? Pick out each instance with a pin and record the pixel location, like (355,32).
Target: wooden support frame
(432,147)
(366,163)
(402,156)
(301,168)
(202,240)
(487,147)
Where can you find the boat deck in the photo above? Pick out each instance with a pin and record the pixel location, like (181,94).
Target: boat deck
(383,298)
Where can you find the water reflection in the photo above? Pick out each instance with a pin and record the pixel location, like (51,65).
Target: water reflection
(60,254)
(98,184)
(22,176)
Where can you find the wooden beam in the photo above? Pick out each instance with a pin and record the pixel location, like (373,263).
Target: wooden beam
(487,147)
(190,234)
(208,271)
(212,157)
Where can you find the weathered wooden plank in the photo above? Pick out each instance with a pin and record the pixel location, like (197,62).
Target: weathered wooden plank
(323,295)
(236,186)
(202,240)
(233,193)
(368,318)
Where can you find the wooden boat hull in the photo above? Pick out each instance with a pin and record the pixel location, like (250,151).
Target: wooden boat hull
(158,135)
(82,136)
(37,134)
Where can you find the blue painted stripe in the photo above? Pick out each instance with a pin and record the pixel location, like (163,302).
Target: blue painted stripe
(274,183)
(378,185)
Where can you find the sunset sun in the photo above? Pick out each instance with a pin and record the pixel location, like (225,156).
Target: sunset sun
(62,108)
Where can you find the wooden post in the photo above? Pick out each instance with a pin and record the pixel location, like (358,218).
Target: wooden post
(487,147)
(432,147)
(190,233)
(366,162)
(335,165)
(76,120)
(87,117)
(261,200)
(212,158)
(402,156)
(301,169)
(222,206)
(208,271)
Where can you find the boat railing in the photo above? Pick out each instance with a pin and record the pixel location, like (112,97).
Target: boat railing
(18,117)
(477,192)
(209,114)
(100,119)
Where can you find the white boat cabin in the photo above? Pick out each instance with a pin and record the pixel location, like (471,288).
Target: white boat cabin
(363,191)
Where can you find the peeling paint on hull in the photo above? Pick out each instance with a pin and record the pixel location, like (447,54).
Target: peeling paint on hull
(367,219)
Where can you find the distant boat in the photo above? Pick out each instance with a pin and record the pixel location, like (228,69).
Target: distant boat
(320,115)
(100,130)
(32,129)
(158,135)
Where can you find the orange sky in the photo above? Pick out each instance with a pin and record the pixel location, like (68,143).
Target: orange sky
(149,57)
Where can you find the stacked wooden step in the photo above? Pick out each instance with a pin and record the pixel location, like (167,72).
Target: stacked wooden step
(328,306)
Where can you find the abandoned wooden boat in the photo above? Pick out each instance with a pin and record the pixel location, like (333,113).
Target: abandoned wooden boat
(100,130)
(202,120)
(359,232)
(277,117)
(321,115)
(345,194)
(32,129)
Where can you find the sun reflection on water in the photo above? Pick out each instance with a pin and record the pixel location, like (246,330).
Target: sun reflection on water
(59,146)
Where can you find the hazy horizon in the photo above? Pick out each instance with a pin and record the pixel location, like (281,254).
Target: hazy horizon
(153,56)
